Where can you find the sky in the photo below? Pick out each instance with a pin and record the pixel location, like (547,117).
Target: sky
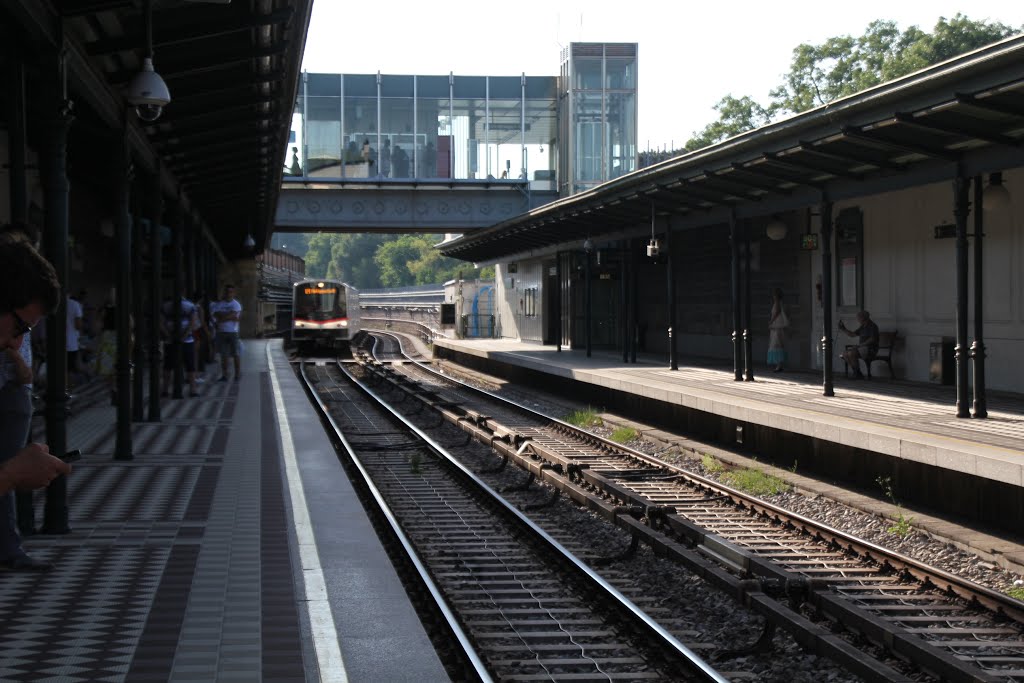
(691,54)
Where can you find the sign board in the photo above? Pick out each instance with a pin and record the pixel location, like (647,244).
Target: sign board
(447,314)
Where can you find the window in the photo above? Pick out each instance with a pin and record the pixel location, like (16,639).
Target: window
(530,306)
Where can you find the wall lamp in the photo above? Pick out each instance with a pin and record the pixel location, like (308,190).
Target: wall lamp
(995,197)
(776,229)
(249,243)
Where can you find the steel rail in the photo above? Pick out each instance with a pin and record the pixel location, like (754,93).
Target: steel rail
(738,559)
(655,632)
(451,621)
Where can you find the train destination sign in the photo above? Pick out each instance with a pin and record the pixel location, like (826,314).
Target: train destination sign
(321,290)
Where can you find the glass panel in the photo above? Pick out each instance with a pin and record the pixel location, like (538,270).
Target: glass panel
(505,87)
(323,137)
(504,146)
(622,151)
(361,85)
(360,132)
(467,133)
(396,86)
(541,133)
(587,73)
(588,134)
(432,87)
(470,87)
(433,144)
(620,73)
(323,85)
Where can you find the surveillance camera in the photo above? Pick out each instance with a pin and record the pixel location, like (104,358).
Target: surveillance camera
(147,92)
(148,112)
(653,248)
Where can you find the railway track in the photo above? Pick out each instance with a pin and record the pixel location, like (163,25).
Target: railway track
(808,578)
(519,607)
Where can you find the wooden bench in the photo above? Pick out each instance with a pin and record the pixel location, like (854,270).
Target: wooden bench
(886,340)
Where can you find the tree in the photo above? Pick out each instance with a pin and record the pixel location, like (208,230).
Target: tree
(844,65)
(736,116)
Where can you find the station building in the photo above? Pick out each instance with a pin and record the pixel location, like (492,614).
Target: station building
(903,200)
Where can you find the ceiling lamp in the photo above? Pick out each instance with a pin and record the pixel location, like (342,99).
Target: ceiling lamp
(995,196)
(776,229)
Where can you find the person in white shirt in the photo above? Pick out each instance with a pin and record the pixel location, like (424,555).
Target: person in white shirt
(74,330)
(226,313)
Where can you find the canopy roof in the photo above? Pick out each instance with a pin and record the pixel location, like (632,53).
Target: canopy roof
(964,116)
(232,70)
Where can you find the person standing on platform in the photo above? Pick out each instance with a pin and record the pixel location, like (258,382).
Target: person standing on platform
(184,328)
(74,331)
(30,292)
(777,324)
(227,313)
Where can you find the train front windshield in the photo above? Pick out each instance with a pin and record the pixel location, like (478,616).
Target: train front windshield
(320,302)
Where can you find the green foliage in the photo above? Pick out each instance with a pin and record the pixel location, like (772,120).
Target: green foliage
(844,65)
(755,482)
(711,466)
(1016,592)
(902,526)
(624,435)
(584,418)
(737,115)
(369,261)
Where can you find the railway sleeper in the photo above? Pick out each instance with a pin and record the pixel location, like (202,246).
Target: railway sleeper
(907,646)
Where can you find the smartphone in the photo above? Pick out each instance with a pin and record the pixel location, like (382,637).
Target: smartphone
(72,456)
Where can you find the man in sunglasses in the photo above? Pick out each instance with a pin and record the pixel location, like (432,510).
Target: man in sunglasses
(30,291)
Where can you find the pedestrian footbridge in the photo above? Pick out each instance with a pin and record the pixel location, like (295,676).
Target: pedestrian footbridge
(385,205)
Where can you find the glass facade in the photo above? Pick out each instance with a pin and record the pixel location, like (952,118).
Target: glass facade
(375,127)
(598,114)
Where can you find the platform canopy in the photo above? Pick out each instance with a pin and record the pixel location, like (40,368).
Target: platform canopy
(232,69)
(963,116)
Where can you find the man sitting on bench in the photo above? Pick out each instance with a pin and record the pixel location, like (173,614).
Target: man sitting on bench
(867,342)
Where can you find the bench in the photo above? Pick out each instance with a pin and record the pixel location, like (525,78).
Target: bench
(886,340)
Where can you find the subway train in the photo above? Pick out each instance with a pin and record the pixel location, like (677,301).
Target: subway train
(325,314)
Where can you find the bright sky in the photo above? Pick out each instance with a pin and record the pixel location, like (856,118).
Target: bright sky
(691,54)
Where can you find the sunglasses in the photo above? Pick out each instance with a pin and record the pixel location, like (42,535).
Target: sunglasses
(23,327)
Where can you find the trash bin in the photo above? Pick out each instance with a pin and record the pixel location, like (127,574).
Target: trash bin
(941,361)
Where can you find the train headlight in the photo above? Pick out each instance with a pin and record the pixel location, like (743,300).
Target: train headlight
(343,323)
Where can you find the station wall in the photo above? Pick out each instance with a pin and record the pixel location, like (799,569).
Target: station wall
(906,276)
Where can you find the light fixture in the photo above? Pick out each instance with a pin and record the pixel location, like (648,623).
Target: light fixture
(653,247)
(249,242)
(995,197)
(776,229)
(588,246)
(147,92)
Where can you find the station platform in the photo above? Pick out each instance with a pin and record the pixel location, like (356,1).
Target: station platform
(871,428)
(231,548)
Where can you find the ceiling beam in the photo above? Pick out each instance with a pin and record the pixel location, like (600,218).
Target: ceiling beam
(988,104)
(963,130)
(196,30)
(902,146)
(804,165)
(849,156)
(203,63)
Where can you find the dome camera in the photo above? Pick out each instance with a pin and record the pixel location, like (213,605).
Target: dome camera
(147,92)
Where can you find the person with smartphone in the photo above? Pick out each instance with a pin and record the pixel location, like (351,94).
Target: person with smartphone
(30,292)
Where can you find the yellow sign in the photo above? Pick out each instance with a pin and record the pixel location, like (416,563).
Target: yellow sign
(321,290)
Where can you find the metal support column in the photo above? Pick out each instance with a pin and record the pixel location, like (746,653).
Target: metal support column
(734,270)
(587,300)
(960,209)
(138,304)
(748,330)
(123,303)
(624,299)
(978,346)
(673,360)
(191,285)
(16,137)
(178,288)
(558,301)
(634,330)
(155,276)
(826,298)
(55,243)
